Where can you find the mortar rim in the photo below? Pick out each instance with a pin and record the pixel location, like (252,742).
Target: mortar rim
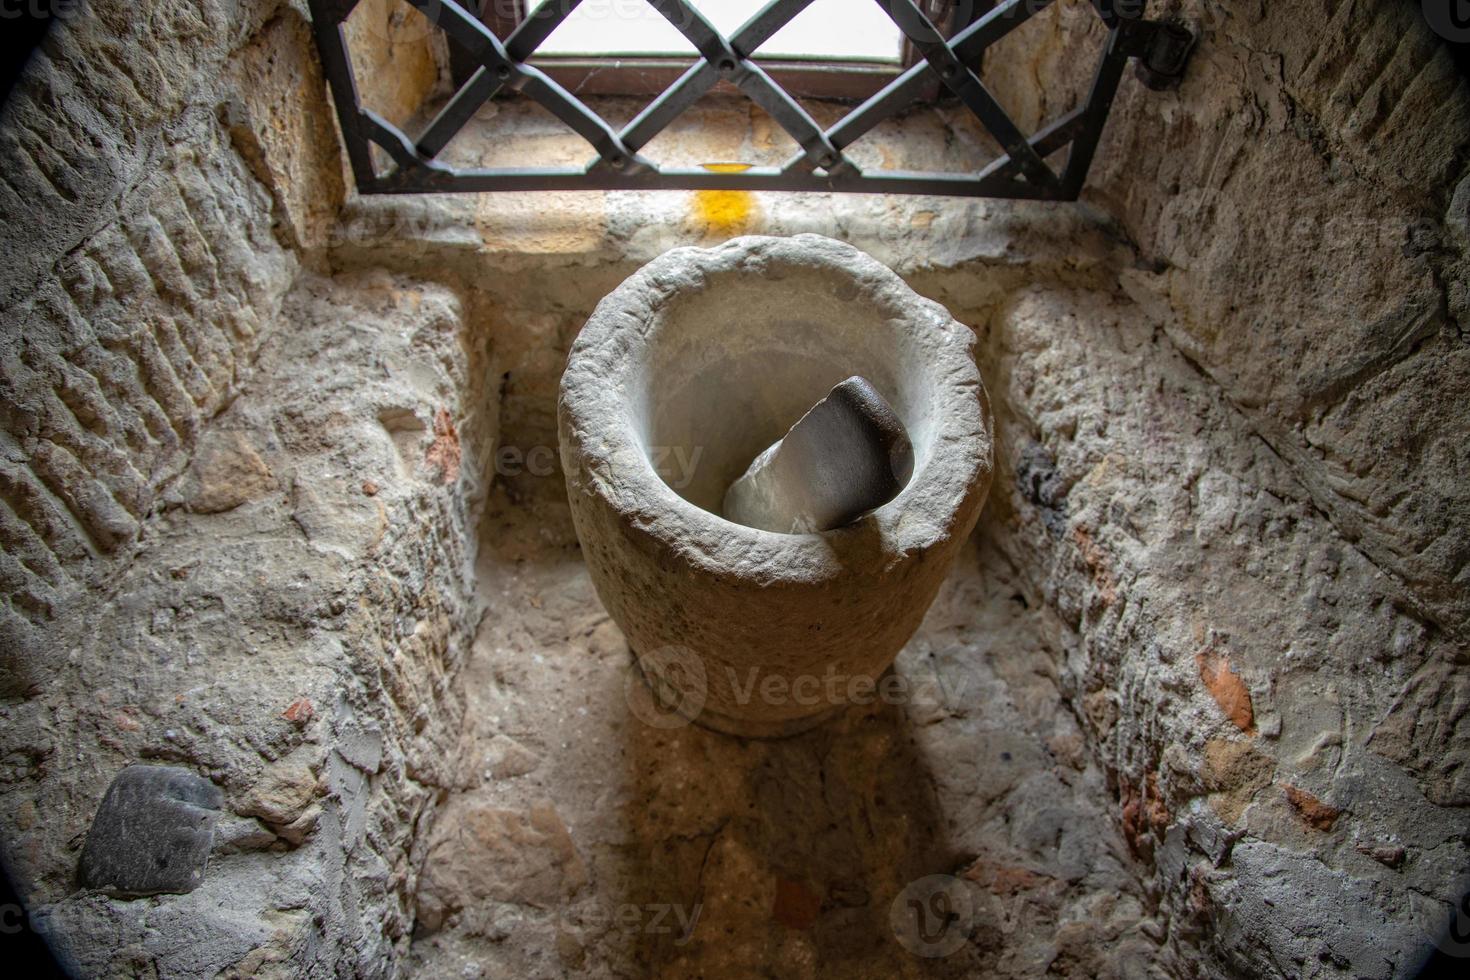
(941,498)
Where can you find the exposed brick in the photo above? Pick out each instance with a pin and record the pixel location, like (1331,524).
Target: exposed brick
(1226,687)
(1313,811)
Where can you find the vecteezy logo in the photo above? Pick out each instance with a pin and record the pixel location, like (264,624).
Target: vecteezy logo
(933,916)
(666,687)
(1450,19)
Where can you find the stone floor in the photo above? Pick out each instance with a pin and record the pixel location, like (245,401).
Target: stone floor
(596,843)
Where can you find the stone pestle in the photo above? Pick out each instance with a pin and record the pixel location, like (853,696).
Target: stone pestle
(849,454)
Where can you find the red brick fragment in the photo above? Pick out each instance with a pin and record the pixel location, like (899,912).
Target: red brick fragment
(797,906)
(299,712)
(1228,690)
(444,451)
(1313,811)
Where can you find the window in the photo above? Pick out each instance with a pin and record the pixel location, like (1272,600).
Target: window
(1161,49)
(839,49)
(828,30)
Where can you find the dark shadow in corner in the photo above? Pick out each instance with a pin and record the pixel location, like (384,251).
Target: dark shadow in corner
(802,846)
(22,948)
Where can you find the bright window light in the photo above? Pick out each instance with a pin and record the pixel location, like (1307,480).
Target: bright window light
(847,30)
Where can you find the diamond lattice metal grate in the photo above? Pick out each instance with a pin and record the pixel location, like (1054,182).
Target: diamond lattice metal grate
(820,166)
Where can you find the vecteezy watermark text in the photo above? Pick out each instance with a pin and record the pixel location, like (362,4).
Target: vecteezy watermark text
(676,465)
(41,9)
(673,919)
(668,687)
(1450,19)
(15,919)
(810,690)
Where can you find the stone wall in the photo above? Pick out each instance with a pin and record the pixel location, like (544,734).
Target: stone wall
(1236,665)
(1301,202)
(1268,583)
(292,629)
(236,499)
(143,263)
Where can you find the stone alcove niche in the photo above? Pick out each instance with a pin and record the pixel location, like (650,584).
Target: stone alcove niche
(279,506)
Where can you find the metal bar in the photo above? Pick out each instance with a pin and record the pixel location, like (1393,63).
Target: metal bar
(710,43)
(426,181)
(397,144)
(539,25)
(816,149)
(764,25)
(971,42)
(483,84)
(753,81)
(587,124)
(1047,141)
(1099,100)
(336,65)
(651,76)
(700,78)
(433,177)
(336,10)
(659,113)
(486,48)
(475,92)
(963,82)
(897,94)
(1110,13)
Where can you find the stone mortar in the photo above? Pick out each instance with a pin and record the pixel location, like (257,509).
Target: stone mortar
(684,373)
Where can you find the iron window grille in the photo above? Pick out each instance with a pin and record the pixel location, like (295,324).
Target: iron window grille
(819,166)
(647,75)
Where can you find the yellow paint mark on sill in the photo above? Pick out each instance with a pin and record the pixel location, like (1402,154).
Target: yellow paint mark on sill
(724,212)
